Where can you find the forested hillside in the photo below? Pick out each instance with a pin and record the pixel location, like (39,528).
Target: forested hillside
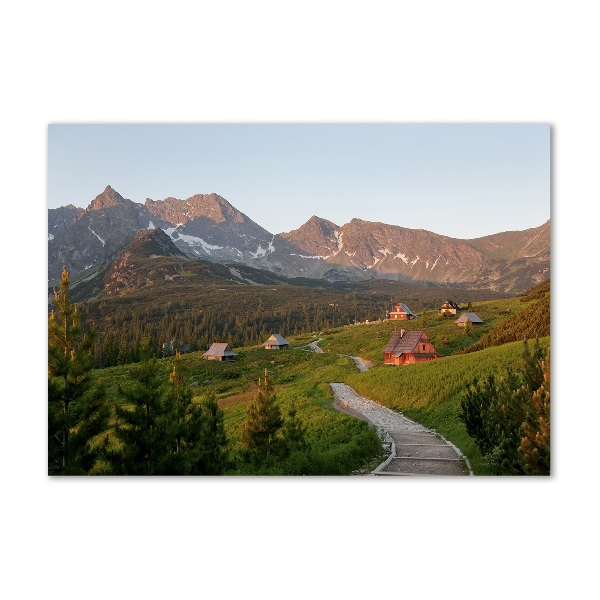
(242,315)
(532,322)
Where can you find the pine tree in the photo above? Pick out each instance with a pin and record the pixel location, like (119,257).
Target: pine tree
(77,408)
(468,328)
(179,398)
(532,369)
(199,444)
(144,426)
(535,441)
(263,421)
(294,432)
(211,458)
(509,417)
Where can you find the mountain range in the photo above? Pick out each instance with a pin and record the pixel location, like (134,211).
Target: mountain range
(206,226)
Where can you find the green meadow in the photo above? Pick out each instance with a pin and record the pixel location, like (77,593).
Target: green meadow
(429,393)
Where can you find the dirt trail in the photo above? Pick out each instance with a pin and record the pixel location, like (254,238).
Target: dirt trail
(415,450)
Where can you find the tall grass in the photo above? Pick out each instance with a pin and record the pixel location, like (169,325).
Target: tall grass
(430,393)
(338,444)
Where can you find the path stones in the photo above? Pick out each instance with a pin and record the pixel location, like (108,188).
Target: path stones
(418,451)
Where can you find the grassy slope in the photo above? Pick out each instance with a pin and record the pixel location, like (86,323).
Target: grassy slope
(301,377)
(368,340)
(430,393)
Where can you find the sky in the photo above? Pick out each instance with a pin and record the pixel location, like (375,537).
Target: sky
(459,180)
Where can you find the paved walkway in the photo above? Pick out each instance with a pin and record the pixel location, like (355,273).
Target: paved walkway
(415,450)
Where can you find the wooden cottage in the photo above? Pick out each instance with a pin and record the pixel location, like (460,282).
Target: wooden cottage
(448,307)
(219,352)
(471,316)
(276,342)
(401,312)
(408,348)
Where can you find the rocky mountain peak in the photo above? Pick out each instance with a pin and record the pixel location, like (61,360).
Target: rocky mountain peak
(154,242)
(210,206)
(316,235)
(107,199)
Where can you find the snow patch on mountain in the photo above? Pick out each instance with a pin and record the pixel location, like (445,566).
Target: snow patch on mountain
(376,261)
(313,257)
(103,241)
(170,231)
(192,240)
(260,252)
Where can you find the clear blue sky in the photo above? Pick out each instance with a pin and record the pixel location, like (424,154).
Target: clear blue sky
(462,181)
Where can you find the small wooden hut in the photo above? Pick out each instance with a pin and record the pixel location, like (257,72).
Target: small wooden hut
(276,342)
(448,307)
(219,352)
(471,316)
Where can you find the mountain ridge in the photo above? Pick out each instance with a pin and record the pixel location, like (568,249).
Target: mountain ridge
(207,226)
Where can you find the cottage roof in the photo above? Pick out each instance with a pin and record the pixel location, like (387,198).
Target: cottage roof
(449,304)
(400,307)
(220,350)
(468,315)
(276,340)
(404,341)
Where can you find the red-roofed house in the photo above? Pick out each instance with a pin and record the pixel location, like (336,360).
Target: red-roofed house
(402,312)
(408,348)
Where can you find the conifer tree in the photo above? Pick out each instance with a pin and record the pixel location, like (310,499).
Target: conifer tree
(263,421)
(77,409)
(179,398)
(211,458)
(144,424)
(199,442)
(468,328)
(294,431)
(532,369)
(509,417)
(535,431)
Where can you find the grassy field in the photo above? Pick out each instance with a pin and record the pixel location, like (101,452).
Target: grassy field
(429,393)
(368,339)
(339,444)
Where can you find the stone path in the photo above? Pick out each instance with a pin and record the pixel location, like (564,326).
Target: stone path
(415,450)
(314,348)
(362,364)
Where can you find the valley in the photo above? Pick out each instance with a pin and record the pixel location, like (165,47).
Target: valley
(156,285)
(428,393)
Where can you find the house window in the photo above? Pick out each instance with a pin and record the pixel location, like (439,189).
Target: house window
(423,347)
